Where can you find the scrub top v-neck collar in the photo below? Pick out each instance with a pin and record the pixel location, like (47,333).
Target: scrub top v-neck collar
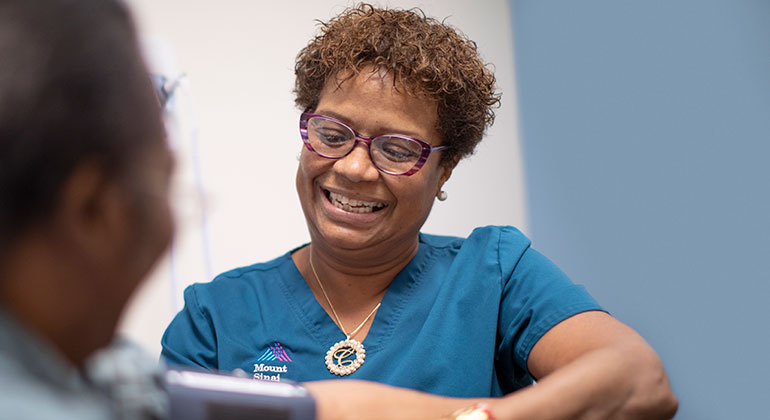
(322,327)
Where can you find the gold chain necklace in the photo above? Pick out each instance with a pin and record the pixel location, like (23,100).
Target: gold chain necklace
(338,359)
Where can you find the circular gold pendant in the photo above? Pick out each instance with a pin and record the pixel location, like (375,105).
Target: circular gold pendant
(340,358)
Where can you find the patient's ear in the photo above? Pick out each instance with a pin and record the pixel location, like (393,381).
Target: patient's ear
(93,214)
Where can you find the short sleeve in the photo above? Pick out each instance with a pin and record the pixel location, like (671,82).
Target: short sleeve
(536,296)
(190,339)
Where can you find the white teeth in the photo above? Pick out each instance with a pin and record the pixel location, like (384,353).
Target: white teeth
(352,205)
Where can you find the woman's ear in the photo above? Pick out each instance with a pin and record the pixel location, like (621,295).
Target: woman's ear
(447,172)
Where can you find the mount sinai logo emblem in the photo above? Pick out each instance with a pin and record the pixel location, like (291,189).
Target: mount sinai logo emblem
(274,352)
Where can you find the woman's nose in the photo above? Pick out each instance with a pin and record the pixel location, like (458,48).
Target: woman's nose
(357,165)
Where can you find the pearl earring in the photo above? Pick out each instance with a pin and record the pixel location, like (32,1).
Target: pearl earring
(442,195)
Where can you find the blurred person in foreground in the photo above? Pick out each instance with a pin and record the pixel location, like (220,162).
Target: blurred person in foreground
(84,172)
(391,101)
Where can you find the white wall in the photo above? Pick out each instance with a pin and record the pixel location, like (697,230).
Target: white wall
(235,132)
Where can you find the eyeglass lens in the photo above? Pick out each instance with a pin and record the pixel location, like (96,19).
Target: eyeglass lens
(389,153)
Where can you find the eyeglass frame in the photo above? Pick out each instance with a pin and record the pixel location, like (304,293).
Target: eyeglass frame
(165,87)
(426,148)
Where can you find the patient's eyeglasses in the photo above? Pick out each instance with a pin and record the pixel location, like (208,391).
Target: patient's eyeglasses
(393,154)
(165,87)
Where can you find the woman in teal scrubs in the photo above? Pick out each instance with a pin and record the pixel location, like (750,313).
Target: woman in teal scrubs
(391,102)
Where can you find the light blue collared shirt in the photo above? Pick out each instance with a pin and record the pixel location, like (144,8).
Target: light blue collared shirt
(37,382)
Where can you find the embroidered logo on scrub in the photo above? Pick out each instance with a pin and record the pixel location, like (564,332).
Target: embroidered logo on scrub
(273,353)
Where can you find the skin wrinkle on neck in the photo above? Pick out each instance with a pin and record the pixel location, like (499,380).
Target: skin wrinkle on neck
(74,306)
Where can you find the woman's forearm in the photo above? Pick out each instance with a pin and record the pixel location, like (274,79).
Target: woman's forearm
(346,399)
(607,383)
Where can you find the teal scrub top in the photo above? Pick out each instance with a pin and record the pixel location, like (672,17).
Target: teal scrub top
(459,320)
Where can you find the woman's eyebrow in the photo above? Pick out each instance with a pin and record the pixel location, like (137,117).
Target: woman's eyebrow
(336,116)
(380,129)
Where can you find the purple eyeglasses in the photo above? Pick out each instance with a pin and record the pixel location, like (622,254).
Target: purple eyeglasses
(392,154)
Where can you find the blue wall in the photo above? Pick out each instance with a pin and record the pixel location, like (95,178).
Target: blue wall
(646,135)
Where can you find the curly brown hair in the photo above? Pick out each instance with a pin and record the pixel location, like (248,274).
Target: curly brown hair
(425,56)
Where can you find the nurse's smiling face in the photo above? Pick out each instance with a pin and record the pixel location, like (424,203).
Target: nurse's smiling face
(348,203)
